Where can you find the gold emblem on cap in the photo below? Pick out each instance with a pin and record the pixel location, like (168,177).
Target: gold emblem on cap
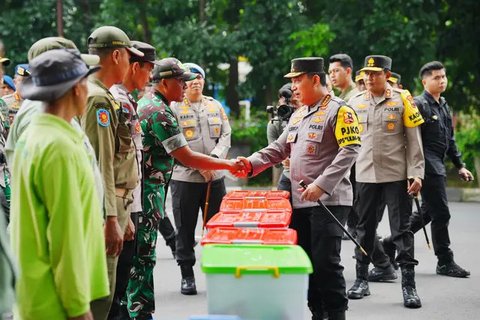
(371,62)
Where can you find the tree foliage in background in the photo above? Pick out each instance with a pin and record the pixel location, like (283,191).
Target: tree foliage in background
(269,33)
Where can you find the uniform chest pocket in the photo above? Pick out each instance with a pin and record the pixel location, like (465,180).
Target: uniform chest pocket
(124,138)
(312,143)
(362,116)
(215,127)
(392,122)
(189,128)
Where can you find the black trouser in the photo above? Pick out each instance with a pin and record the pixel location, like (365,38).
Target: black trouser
(118,310)
(187,199)
(394,194)
(435,210)
(321,238)
(352,220)
(166,229)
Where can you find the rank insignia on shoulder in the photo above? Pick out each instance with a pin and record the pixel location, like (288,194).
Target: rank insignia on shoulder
(103,117)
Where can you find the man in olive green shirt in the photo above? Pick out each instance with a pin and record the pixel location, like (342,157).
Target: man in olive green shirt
(56,214)
(340,72)
(105,124)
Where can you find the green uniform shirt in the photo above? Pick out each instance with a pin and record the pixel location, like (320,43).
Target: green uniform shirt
(28,111)
(57,233)
(105,125)
(349,92)
(162,135)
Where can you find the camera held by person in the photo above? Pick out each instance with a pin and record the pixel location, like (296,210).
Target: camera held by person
(285,108)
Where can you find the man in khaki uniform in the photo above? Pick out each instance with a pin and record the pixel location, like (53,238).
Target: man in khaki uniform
(323,142)
(340,71)
(105,124)
(206,128)
(391,155)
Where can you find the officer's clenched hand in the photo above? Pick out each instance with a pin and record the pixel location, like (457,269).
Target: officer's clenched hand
(414,186)
(130,231)
(242,167)
(465,175)
(311,193)
(113,236)
(207,174)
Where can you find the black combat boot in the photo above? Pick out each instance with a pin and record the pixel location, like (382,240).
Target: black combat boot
(389,248)
(410,296)
(452,269)
(188,286)
(379,274)
(360,287)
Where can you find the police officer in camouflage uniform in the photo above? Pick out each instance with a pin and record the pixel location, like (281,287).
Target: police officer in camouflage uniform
(137,77)
(162,142)
(207,130)
(322,141)
(106,124)
(391,155)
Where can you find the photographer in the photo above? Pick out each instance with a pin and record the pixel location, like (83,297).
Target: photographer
(281,113)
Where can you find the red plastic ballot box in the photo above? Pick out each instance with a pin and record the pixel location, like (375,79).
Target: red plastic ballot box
(251,219)
(255,204)
(250,236)
(266,194)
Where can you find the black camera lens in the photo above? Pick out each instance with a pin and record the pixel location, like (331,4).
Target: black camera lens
(284,111)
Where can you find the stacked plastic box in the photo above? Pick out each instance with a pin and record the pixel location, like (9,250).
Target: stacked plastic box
(254,268)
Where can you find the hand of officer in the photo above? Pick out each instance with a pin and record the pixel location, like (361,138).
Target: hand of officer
(286,163)
(465,175)
(414,186)
(207,174)
(312,193)
(85,316)
(130,231)
(113,236)
(243,167)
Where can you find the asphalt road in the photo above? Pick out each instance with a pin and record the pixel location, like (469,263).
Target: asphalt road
(442,297)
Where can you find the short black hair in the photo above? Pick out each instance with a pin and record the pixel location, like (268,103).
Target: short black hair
(343,58)
(427,68)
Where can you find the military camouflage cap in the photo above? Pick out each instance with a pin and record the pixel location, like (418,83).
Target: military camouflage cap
(377,63)
(111,37)
(305,65)
(171,68)
(51,43)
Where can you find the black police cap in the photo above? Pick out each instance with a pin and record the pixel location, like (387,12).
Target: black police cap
(305,65)
(377,63)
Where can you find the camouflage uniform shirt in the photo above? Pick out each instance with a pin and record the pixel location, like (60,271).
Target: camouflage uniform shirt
(162,135)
